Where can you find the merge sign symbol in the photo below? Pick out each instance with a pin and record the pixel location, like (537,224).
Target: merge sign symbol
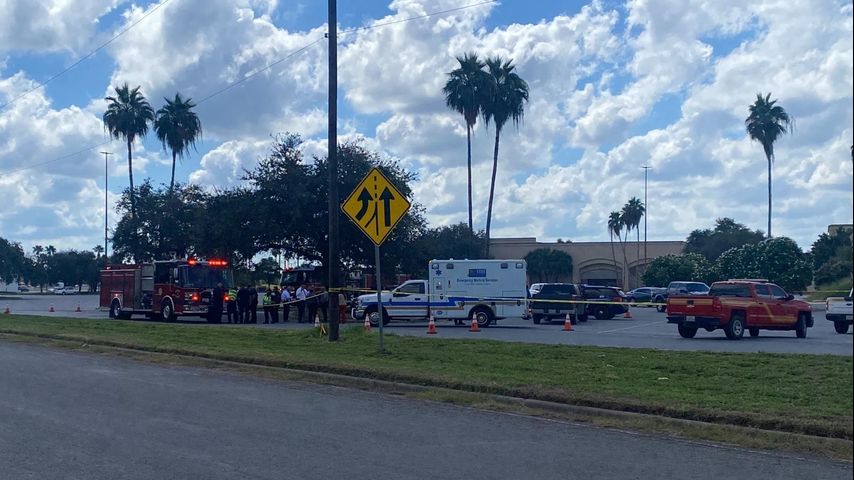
(375,206)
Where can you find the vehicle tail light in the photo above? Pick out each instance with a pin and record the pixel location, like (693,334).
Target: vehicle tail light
(617,299)
(195,297)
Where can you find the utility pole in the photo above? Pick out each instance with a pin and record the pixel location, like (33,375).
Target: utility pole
(645,214)
(106,197)
(332,149)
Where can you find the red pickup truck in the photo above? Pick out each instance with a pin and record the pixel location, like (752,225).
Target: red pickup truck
(736,305)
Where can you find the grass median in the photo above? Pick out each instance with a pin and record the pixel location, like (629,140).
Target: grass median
(809,394)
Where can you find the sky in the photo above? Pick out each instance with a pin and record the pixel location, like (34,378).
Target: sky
(613,86)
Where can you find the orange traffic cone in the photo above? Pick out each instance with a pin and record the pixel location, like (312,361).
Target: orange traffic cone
(431,326)
(367,325)
(8,310)
(628,313)
(567,324)
(474,326)
(51,309)
(78,308)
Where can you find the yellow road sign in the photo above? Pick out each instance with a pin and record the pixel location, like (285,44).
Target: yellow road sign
(375,206)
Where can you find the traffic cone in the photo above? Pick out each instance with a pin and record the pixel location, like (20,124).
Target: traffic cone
(431,326)
(567,324)
(78,308)
(628,313)
(51,309)
(474,326)
(367,325)
(8,310)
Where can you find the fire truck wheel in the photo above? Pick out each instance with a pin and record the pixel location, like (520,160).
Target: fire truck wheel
(167,311)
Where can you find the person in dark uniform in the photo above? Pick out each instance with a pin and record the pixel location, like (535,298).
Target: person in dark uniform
(215,307)
(243,305)
(253,305)
(275,298)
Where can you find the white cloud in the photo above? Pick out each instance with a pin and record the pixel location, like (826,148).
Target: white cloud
(49,25)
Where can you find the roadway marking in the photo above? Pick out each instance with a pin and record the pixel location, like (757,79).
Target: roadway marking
(633,326)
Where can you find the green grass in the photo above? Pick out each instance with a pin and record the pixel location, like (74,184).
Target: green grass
(839,288)
(801,393)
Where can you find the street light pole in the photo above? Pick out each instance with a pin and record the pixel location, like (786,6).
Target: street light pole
(645,214)
(332,148)
(106,197)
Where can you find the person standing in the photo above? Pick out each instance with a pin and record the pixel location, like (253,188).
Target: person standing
(275,298)
(215,308)
(342,308)
(253,305)
(243,305)
(302,295)
(266,300)
(231,306)
(287,298)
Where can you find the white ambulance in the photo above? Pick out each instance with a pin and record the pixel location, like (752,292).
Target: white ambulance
(456,289)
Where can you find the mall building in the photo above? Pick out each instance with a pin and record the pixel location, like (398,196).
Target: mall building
(593,262)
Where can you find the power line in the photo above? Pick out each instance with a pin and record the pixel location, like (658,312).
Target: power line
(242,80)
(83,58)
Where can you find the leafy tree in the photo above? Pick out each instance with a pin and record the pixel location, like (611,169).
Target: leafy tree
(833,270)
(98,249)
(268,271)
(829,247)
(177,127)
(165,224)
(506,99)
(727,234)
(779,260)
(548,264)
(465,93)
(766,123)
(128,115)
(672,268)
(13,263)
(451,241)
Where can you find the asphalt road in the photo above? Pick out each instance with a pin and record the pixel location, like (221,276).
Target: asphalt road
(68,415)
(647,329)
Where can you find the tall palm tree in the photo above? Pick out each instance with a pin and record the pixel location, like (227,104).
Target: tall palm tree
(98,249)
(614,227)
(128,115)
(506,101)
(38,250)
(766,123)
(178,127)
(633,212)
(50,250)
(465,94)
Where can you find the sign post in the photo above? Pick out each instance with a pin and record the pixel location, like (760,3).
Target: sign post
(376,206)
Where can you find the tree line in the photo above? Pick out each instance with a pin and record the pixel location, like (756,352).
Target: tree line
(48,266)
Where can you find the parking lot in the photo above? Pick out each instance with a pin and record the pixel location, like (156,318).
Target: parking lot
(646,329)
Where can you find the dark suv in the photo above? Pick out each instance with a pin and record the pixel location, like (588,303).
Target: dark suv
(604,294)
(542,309)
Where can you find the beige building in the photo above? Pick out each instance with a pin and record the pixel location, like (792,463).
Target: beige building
(592,262)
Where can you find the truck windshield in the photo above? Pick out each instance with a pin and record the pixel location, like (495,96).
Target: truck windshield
(202,276)
(730,290)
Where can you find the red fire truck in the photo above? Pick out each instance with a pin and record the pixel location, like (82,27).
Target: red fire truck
(162,289)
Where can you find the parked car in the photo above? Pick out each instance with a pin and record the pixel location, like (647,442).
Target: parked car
(680,288)
(840,311)
(738,305)
(543,309)
(644,294)
(597,294)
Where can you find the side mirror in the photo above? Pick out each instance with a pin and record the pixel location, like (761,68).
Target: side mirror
(789,297)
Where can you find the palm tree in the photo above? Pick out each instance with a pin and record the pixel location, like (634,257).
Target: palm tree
(50,250)
(614,227)
(633,212)
(765,124)
(38,250)
(505,101)
(178,127)
(98,249)
(464,93)
(128,115)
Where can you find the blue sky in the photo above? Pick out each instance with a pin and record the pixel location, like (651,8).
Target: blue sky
(614,85)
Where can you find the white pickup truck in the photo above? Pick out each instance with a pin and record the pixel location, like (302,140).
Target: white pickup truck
(457,290)
(840,312)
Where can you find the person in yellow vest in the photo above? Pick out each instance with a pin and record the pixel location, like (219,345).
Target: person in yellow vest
(231,305)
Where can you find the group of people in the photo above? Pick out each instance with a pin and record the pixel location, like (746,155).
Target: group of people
(241,305)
